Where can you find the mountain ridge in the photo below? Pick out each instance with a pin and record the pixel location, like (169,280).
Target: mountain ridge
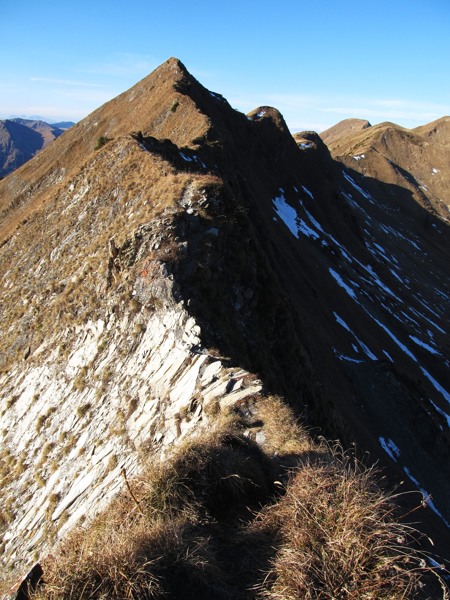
(413,158)
(197,259)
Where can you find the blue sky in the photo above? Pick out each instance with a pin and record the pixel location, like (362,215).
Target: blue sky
(317,61)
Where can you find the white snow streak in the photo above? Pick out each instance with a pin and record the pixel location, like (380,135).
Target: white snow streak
(343,285)
(287,214)
(396,340)
(423,345)
(390,448)
(426,496)
(305,189)
(362,345)
(359,189)
(441,412)
(436,385)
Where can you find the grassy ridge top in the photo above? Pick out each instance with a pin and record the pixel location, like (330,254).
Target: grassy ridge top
(224,518)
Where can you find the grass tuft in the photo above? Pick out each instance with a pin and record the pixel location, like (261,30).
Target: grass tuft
(338,538)
(183,529)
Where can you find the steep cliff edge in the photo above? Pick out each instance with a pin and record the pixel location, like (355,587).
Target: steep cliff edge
(169,257)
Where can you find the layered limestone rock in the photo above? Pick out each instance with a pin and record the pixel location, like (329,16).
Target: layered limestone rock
(72,434)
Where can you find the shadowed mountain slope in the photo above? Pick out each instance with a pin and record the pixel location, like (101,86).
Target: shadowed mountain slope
(170,254)
(21,139)
(416,159)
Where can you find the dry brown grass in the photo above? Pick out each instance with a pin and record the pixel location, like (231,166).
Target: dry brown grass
(339,538)
(183,530)
(83,215)
(284,433)
(156,541)
(219,477)
(130,558)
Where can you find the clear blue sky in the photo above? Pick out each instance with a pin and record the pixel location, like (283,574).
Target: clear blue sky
(317,61)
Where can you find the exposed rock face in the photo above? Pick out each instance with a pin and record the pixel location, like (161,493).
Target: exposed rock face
(75,429)
(196,258)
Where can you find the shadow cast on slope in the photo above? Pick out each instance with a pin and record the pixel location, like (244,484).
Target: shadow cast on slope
(265,299)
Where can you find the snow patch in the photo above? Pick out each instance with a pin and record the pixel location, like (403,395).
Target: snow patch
(287,213)
(194,158)
(388,356)
(420,315)
(395,339)
(359,189)
(343,285)
(436,385)
(306,230)
(290,218)
(423,345)
(426,496)
(390,448)
(305,189)
(341,322)
(362,345)
(346,358)
(314,221)
(441,412)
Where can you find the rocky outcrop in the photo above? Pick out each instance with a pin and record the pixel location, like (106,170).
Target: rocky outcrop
(72,432)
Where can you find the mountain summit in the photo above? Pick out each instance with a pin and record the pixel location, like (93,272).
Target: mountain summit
(169,259)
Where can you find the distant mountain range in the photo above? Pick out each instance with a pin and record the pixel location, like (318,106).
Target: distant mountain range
(415,159)
(21,139)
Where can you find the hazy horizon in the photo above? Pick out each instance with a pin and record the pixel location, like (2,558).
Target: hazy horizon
(318,63)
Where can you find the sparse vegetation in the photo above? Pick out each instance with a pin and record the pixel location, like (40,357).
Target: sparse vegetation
(40,479)
(52,503)
(184,529)
(133,402)
(112,463)
(71,440)
(338,538)
(101,141)
(42,419)
(20,466)
(11,401)
(80,380)
(40,422)
(83,410)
